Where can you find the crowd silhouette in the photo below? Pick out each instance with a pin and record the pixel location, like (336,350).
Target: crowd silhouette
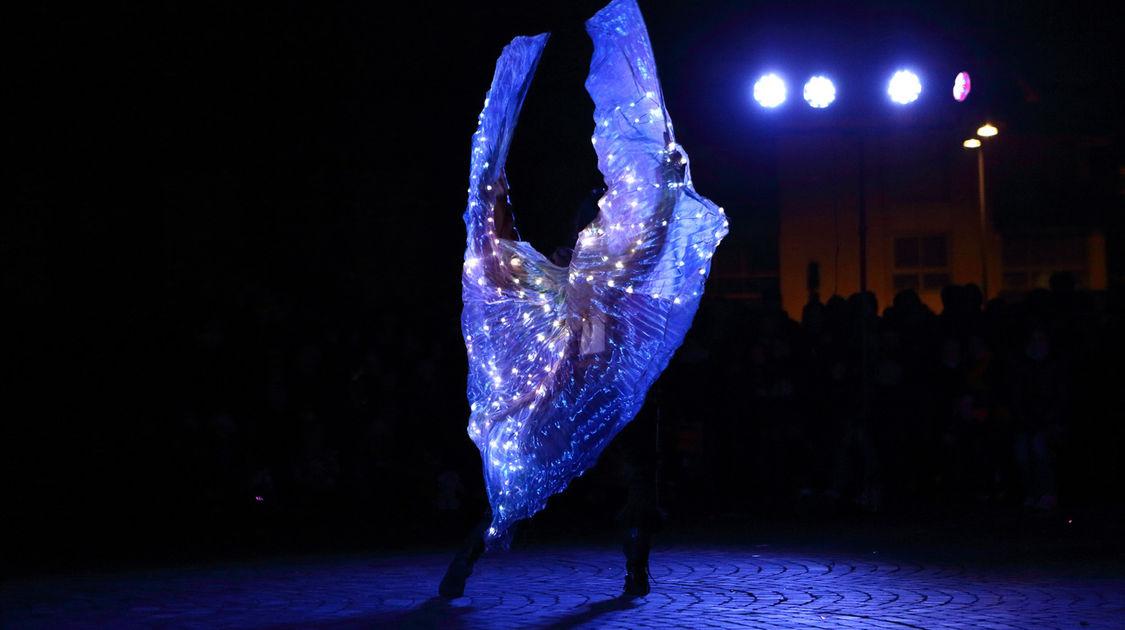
(288,422)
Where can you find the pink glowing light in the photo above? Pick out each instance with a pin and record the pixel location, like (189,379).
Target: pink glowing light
(961,86)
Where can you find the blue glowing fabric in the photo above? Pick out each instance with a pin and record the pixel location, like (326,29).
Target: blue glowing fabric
(560,358)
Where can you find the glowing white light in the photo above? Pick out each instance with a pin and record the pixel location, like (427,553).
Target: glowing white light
(971,143)
(904,87)
(769,91)
(987,131)
(819,92)
(961,86)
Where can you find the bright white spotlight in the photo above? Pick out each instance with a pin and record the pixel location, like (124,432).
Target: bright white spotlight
(904,87)
(987,131)
(819,92)
(769,91)
(971,143)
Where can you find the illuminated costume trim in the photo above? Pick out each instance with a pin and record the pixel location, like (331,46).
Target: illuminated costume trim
(560,358)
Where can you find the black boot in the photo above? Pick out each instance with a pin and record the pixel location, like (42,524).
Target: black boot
(637,543)
(453,584)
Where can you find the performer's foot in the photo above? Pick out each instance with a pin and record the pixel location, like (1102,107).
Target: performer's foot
(636,562)
(636,581)
(453,584)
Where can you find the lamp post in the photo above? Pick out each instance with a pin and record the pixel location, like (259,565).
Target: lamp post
(987,131)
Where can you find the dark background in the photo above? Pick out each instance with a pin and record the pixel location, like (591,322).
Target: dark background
(233,241)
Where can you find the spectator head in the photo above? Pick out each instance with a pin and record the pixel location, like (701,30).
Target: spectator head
(950,298)
(972,297)
(813,315)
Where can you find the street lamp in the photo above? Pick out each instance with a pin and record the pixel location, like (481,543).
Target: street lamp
(986,131)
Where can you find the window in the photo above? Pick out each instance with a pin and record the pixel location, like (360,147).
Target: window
(921,262)
(1030,262)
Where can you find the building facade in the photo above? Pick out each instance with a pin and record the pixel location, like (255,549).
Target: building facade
(901,210)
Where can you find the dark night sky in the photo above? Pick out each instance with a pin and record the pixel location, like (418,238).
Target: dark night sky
(169,155)
(157,131)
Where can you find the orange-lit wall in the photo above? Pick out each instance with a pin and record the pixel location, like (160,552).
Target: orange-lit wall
(913,183)
(821,175)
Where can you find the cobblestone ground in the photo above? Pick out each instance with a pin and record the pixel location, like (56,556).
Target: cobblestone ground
(577,587)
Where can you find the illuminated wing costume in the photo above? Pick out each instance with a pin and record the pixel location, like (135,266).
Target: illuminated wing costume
(560,358)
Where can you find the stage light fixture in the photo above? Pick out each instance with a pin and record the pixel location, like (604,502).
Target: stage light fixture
(904,87)
(769,91)
(820,92)
(961,86)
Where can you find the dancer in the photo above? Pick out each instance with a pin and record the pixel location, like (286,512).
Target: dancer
(560,358)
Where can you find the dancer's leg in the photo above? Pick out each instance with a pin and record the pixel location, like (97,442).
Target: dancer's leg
(453,584)
(640,517)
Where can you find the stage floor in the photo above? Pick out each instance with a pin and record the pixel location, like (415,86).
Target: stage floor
(578,586)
